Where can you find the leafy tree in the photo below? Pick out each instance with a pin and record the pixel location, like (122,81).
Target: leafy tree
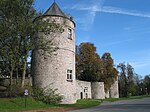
(130,80)
(137,81)
(146,82)
(88,63)
(18,26)
(122,80)
(8,41)
(109,72)
(90,67)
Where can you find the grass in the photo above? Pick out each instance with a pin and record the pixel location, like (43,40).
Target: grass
(18,104)
(84,103)
(128,98)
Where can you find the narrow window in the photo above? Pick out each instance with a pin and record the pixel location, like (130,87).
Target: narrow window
(69,33)
(69,75)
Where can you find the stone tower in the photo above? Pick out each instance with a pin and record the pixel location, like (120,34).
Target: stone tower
(58,71)
(98,91)
(114,90)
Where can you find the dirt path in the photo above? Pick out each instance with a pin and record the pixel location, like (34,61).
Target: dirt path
(52,110)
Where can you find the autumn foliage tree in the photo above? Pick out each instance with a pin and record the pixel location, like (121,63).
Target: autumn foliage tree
(88,63)
(90,67)
(109,71)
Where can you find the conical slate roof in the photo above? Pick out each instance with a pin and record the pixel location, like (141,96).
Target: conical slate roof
(55,10)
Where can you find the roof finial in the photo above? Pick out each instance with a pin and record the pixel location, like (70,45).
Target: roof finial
(54,1)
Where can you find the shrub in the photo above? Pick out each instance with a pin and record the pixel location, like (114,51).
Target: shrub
(48,96)
(17,90)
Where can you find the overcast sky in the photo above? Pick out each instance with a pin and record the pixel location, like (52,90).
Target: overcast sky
(121,27)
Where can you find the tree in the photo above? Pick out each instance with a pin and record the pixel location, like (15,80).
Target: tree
(8,42)
(110,74)
(122,80)
(146,82)
(88,63)
(18,26)
(137,81)
(90,67)
(130,80)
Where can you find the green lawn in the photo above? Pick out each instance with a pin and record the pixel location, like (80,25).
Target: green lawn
(18,104)
(15,104)
(84,103)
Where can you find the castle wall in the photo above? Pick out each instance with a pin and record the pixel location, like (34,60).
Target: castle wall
(58,70)
(83,89)
(98,90)
(52,71)
(6,82)
(114,91)
(107,94)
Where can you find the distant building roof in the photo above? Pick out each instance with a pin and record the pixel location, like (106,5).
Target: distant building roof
(55,10)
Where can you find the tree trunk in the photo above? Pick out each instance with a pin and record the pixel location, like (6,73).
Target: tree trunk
(23,73)
(11,74)
(17,77)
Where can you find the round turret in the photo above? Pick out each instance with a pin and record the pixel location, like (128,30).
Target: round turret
(57,71)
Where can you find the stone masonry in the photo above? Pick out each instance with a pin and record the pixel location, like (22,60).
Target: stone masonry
(83,90)
(98,90)
(58,71)
(114,93)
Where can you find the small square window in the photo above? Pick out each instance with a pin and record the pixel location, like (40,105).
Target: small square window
(85,89)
